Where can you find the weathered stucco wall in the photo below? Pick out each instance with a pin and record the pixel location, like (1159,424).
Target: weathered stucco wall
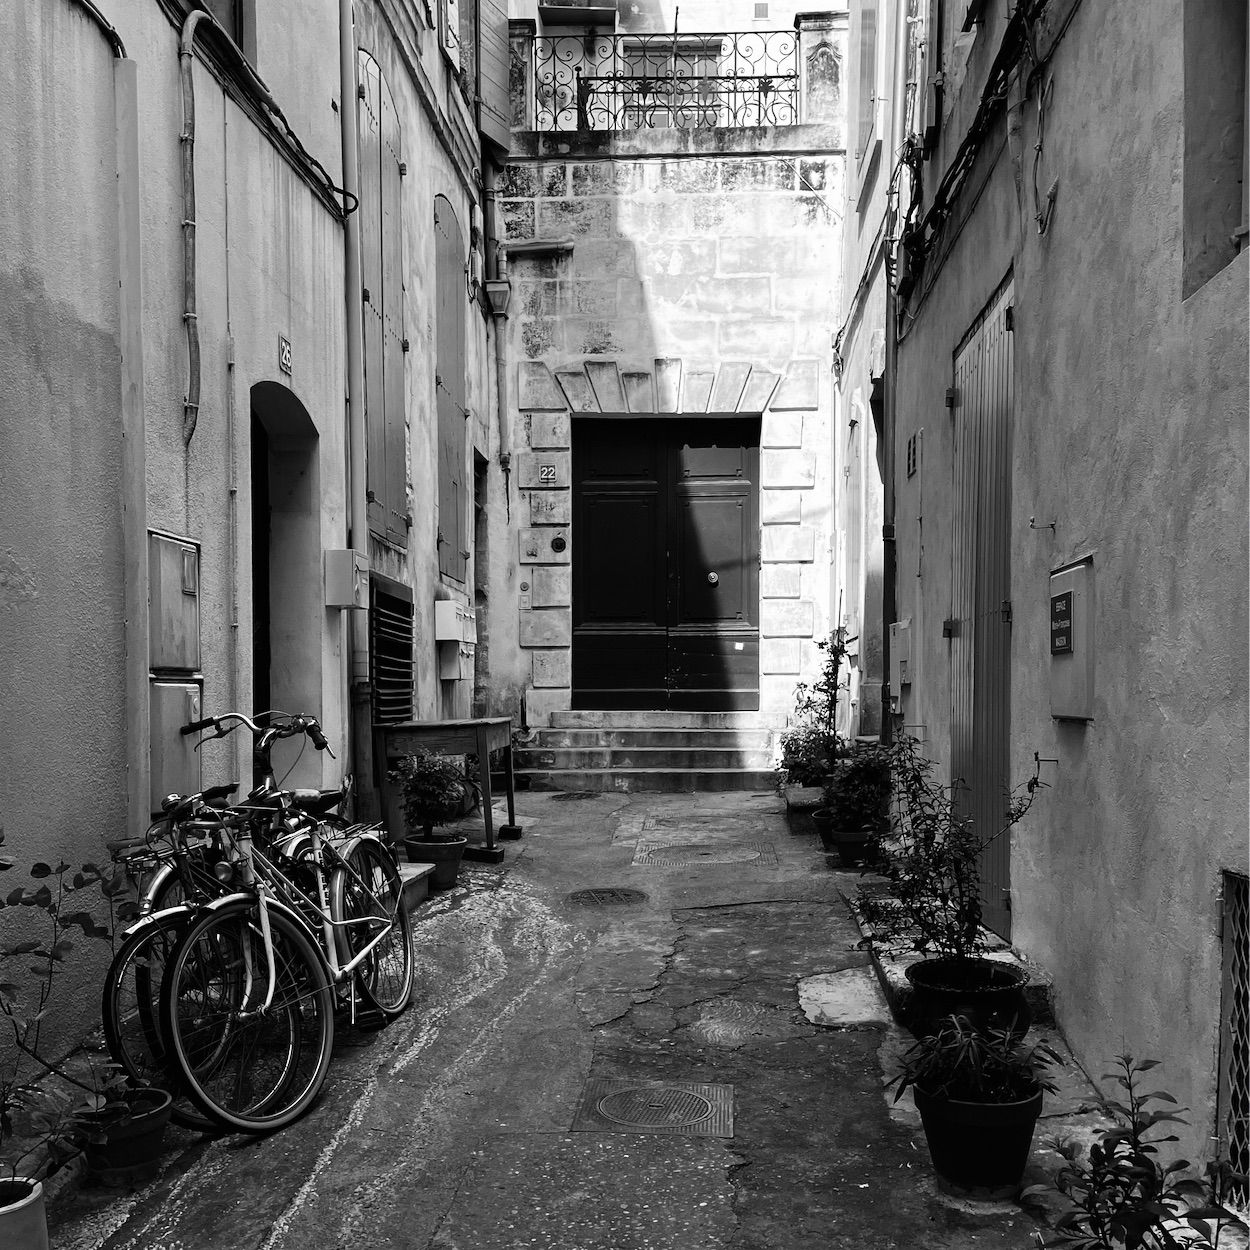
(674,271)
(1130,435)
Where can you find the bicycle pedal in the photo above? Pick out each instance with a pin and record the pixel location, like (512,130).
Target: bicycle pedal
(369,1020)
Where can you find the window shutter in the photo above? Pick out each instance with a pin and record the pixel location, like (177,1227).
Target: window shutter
(394,474)
(493,107)
(450,356)
(451,29)
(371,278)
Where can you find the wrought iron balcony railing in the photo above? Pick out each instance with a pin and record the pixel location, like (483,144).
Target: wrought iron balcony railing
(632,82)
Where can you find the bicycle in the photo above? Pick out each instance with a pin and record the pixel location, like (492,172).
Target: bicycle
(247,997)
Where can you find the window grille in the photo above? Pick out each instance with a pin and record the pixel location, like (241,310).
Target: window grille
(1234,1083)
(390,653)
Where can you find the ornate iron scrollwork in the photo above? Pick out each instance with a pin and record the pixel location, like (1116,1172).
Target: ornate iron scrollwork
(634,82)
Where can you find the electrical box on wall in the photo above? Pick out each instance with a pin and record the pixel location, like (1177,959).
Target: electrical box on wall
(173,603)
(455,661)
(454,622)
(347,579)
(900,656)
(175,763)
(1072,642)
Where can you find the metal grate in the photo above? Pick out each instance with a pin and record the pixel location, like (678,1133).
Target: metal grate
(1234,1083)
(674,1108)
(390,657)
(683,854)
(606,896)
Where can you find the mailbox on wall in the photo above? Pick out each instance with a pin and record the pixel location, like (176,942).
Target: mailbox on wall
(1072,642)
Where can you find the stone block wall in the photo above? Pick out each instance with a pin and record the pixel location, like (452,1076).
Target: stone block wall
(674,272)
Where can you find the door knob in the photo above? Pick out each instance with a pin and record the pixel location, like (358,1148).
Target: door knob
(712,579)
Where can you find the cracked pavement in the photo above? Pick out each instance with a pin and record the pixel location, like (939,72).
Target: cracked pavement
(451,1129)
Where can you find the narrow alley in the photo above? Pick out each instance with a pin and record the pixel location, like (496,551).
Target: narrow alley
(468,1124)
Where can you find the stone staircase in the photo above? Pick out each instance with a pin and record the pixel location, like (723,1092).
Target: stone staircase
(673,752)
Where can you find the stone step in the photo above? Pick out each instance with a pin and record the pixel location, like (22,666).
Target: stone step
(540,757)
(647,719)
(580,739)
(652,780)
(416,883)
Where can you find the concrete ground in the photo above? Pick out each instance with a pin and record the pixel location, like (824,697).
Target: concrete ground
(490,1114)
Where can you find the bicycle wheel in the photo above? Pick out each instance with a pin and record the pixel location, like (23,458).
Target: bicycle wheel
(249,1067)
(366,897)
(130,1012)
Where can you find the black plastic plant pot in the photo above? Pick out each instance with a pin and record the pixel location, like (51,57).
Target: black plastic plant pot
(979,1149)
(124,1143)
(445,855)
(986,992)
(850,845)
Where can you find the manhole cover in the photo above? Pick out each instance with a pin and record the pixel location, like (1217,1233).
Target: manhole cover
(607,896)
(682,1108)
(573,796)
(655,1108)
(678,854)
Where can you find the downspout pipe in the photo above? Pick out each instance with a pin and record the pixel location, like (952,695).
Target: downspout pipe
(191,405)
(889,553)
(361,753)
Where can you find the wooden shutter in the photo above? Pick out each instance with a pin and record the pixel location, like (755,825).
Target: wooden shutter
(394,472)
(371,277)
(451,29)
(493,107)
(449,261)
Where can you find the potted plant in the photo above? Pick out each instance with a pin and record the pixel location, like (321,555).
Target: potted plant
(1122,1194)
(932,860)
(47,1100)
(434,789)
(979,1093)
(857,798)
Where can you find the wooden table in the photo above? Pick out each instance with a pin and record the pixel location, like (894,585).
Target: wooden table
(459,737)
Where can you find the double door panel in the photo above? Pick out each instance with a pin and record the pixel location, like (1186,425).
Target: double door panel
(666,563)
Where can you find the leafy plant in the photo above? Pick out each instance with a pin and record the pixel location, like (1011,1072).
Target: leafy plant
(1122,1194)
(434,788)
(43,1099)
(975,1065)
(933,857)
(810,745)
(857,793)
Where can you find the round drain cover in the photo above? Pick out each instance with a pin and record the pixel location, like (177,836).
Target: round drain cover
(655,1108)
(702,853)
(606,896)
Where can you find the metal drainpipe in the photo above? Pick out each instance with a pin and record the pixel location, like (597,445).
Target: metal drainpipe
(191,406)
(358,619)
(889,554)
(133,430)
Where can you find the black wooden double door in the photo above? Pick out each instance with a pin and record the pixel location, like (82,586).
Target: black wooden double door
(666,563)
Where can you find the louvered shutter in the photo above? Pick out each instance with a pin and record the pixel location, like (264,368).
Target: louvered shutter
(394,476)
(493,108)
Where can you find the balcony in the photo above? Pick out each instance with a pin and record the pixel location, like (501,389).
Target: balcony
(689,81)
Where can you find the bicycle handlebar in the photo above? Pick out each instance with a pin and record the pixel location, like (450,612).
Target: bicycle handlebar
(294,725)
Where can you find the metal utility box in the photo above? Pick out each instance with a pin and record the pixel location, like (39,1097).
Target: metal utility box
(455,661)
(173,603)
(900,656)
(347,579)
(454,622)
(1072,642)
(175,763)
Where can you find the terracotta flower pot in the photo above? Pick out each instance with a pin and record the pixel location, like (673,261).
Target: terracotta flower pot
(124,1143)
(987,992)
(445,855)
(978,1148)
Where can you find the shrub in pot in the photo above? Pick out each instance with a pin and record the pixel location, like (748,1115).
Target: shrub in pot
(932,860)
(810,745)
(979,1094)
(1121,1193)
(856,797)
(434,789)
(46,1099)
